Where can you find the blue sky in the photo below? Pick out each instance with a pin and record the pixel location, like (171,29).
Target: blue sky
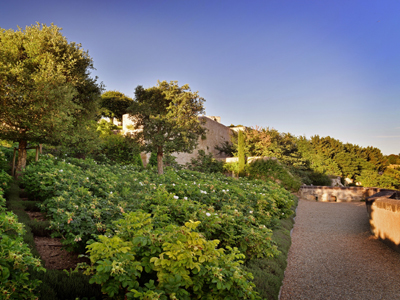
(304,67)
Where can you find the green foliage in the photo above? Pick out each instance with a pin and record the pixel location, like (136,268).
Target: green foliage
(328,156)
(227,148)
(168,115)
(311,160)
(269,272)
(153,159)
(85,142)
(4,162)
(370,178)
(114,104)
(5,181)
(393,173)
(351,159)
(241,155)
(170,161)
(393,159)
(15,256)
(120,149)
(271,169)
(106,128)
(58,284)
(82,199)
(205,163)
(55,284)
(45,87)
(134,261)
(232,167)
(310,176)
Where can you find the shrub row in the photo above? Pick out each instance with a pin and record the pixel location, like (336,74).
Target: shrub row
(55,284)
(141,242)
(15,256)
(83,198)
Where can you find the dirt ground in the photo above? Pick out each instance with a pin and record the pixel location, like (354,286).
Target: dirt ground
(36,215)
(50,249)
(54,256)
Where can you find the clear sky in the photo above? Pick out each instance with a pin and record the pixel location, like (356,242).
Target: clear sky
(299,66)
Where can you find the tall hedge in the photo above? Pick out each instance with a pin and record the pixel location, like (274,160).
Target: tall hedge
(241,153)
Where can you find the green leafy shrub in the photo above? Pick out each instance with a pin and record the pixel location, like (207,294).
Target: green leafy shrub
(58,284)
(82,198)
(153,160)
(371,178)
(170,161)
(310,176)
(105,128)
(205,163)
(15,259)
(271,169)
(5,181)
(4,162)
(241,155)
(120,149)
(232,167)
(55,284)
(137,262)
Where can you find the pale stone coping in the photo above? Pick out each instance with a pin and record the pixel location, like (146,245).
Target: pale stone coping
(384,219)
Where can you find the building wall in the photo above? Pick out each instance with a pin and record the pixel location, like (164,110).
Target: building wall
(217,134)
(384,218)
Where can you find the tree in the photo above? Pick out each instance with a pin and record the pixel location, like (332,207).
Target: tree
(114,104)
(45,88)
(168,117)
(241,153)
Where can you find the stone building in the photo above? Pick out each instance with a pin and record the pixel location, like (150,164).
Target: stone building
(216,135)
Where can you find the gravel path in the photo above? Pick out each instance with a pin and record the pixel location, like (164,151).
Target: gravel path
(334,256)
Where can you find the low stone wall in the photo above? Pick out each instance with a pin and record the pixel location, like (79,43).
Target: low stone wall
(384,217)
(336,194)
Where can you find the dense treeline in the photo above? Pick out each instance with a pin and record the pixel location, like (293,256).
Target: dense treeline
(317,159)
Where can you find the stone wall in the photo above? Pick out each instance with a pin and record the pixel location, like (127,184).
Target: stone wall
(384,217)
(337,194)
(217,134)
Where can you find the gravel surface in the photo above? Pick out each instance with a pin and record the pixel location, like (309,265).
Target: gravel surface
(334,256)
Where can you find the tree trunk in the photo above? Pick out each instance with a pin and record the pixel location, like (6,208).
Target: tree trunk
(21,162)
(37,153)
(160,166)
(13,165)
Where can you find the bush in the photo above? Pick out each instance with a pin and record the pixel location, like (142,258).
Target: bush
(205,163)
(106,128)
(4,162)
(15,258)
(63,285)
(232,167)
(136,261)
(5,181)
(153,160)
(170,161)
(371,178)
(241,156)
(55,284)
(82,199)
(309,176)
(271,169)
(120,149)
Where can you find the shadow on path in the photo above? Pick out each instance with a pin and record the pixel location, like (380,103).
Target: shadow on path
(334,256)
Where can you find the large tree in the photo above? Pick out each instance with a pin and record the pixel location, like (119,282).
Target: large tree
(114,104)
(45,88)
(167,118)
